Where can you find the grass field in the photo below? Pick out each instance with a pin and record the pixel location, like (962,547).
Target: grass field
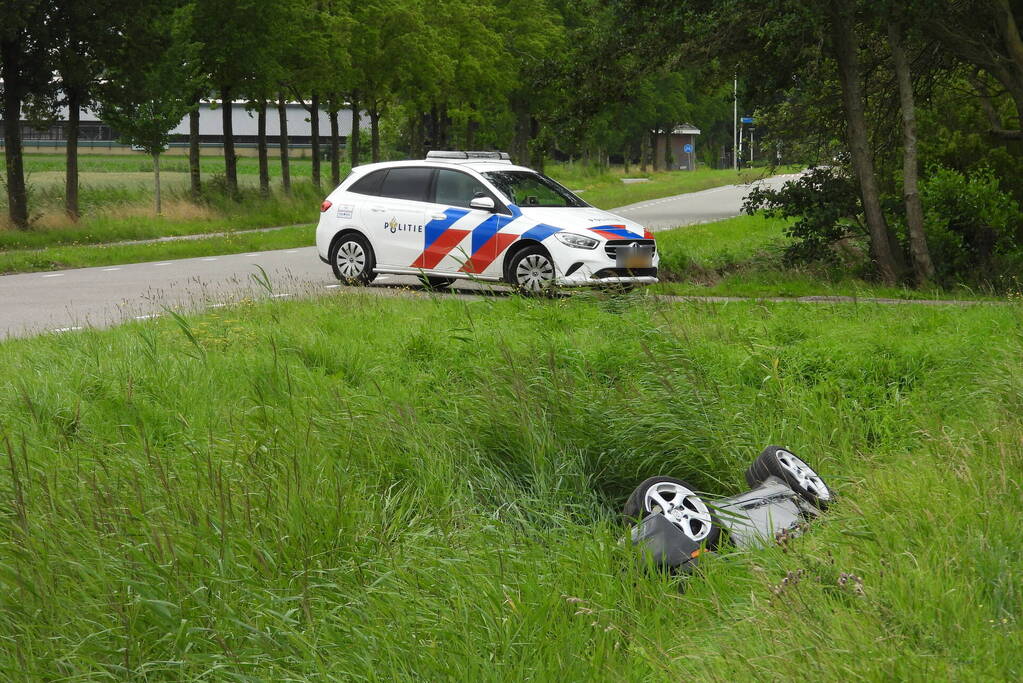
(605,189)
(743,257)
(117,197)
(367,488)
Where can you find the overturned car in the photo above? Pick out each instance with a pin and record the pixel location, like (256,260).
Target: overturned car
(673,525)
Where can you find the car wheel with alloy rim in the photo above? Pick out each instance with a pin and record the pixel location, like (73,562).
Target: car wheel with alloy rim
(353,260)
(531,271)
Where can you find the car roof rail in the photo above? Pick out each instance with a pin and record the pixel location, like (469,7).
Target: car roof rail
(465,155)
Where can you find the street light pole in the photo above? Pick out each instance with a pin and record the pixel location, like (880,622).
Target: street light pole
(735,123)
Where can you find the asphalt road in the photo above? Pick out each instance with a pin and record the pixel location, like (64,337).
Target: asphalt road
(68,300)
(696,207)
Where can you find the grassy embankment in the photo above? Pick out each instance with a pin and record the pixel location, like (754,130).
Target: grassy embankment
(378,489)
(743,257)
(116,199)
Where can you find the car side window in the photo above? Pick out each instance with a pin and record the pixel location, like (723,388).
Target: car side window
(455,188)
(407,183)
(370,184)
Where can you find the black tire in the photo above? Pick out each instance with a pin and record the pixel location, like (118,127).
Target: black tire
(799,476)
(434,282)
(636,507)
(522,267)
(353,271)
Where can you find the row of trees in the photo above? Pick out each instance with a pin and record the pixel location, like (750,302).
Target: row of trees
(521,75)
(884,88)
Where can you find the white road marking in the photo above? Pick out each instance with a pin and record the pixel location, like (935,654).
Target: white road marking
(107,270)
(214,258)
(67,329)
(383,277)
(147,316)
(332,286)
(217,305)
(291,251)
(165,263)
(54,275)
(278,296)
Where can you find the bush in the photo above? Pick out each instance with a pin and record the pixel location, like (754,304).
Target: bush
(973,227)
(827,205)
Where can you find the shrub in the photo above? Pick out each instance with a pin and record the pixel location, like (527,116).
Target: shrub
(973,227)
(825,203)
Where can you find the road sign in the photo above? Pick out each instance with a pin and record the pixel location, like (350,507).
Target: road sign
(688,149)
(747,119)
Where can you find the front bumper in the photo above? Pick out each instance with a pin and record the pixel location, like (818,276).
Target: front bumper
(594,268)
(604,281)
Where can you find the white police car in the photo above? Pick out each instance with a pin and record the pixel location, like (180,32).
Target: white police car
(475,215)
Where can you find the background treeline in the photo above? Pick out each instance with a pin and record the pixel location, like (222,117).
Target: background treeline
(527,76)
(913,107)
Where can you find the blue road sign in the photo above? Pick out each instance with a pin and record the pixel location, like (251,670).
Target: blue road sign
(747,119)
(688,149)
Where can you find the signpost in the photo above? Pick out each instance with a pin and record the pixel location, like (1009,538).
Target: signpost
(688,149)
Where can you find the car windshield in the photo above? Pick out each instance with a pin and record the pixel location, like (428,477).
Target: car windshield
(526,189)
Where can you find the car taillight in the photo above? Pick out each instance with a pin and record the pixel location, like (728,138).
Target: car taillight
(325,205)
(648,235)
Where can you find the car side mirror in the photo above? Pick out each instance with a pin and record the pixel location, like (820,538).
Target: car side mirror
(482,203)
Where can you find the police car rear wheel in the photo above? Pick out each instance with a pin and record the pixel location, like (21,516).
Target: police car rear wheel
(532,271)
(352,260)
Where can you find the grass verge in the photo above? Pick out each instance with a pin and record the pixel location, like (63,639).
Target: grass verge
(742,256)
(62,258)
(370,488)
(604,188)
(116,197)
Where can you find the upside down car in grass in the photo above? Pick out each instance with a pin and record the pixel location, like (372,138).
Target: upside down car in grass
(674,526)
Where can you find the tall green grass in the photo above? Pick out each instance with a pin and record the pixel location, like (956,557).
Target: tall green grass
(134,220)
(368,488)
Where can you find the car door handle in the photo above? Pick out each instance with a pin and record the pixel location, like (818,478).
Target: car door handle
(438,216)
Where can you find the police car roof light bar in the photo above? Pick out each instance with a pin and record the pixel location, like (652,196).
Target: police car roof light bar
(460,154)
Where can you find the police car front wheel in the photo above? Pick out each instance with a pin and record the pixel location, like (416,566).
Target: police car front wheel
(352,260)
(531,271)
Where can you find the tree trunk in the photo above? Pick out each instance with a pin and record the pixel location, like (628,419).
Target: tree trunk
(520,145)
(626,150)
(845,44)
(470,133)
(74,105)
(374,133)
(230,160)
(354,153)
(264,161)
(314,122)
(156,181)
(17,198)
(335,148)
(644,153)
(923,269)
(444,126)
(282,118)
(1014,46)
(194,172)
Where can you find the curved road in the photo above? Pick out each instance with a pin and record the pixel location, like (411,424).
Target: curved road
(98,297)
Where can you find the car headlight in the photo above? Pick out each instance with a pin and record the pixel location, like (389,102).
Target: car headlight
(577,241)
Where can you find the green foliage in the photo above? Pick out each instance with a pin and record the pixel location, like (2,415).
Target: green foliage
(826,205)
(972,224)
